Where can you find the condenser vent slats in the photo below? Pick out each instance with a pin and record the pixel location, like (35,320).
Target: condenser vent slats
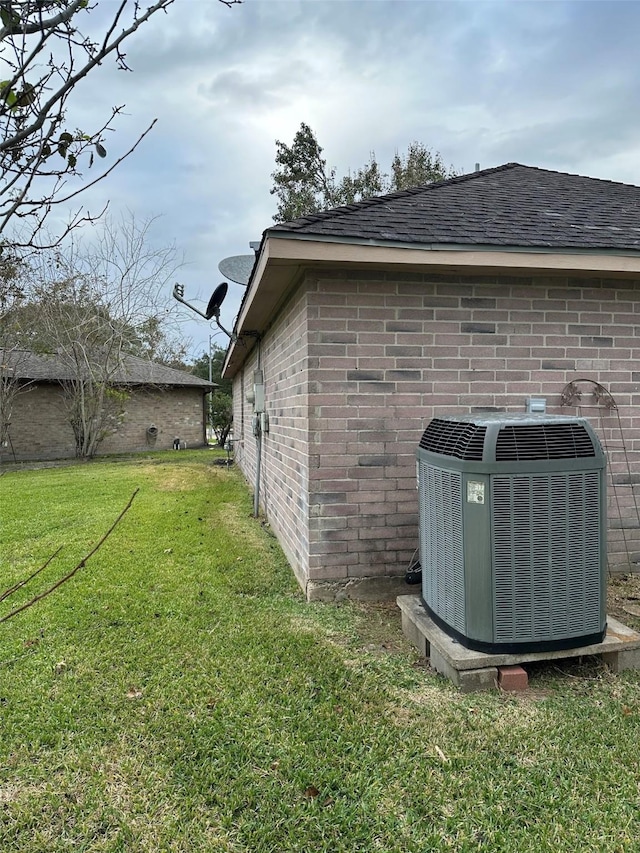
(543,441)
(454,438)
(443,554)
(546,555)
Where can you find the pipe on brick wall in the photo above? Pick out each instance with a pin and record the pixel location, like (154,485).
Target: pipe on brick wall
(256,494)
(258,434)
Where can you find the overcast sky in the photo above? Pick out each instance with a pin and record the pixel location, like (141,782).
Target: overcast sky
(549,84)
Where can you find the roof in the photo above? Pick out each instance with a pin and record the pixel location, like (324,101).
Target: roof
(133,371)
(511,205)
(510,220)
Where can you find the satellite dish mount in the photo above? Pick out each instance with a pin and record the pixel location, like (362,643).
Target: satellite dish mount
(213,306)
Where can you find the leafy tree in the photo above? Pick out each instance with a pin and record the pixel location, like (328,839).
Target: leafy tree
(221,417)
(303,185)
(221,401)
(417,167)
(153,340)
(46,53)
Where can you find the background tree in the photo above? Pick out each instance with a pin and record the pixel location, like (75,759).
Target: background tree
(155,339)
(90,308)
(76,325)
(303,185)
(45,54)
(417,167)
(12,294)
(221,400)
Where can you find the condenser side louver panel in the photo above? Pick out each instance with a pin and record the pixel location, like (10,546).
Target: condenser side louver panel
(444,588)
(546,556)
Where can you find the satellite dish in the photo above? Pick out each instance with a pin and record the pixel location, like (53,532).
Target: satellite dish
(217,298)
(237,268)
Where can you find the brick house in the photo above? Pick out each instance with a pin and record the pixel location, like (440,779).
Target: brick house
(472,294)
(163,404)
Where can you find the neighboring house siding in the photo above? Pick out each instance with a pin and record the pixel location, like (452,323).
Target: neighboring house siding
(382,355)
(176,412)
(39,428)
(285,448)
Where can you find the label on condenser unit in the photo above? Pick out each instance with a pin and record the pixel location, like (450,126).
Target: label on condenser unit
(475,492)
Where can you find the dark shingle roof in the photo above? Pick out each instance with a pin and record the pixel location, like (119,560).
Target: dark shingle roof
(511,205)
(133,371)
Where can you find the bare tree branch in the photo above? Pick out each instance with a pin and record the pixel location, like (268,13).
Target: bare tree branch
(10,591)
(111,168)
(73,571)
(59,95)
(44,56)
(92,306)
(48,24)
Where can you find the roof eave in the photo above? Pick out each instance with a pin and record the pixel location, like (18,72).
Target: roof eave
(284,255)
(449,247)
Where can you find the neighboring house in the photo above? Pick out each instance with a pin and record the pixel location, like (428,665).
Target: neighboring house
(471,294)
(162,404)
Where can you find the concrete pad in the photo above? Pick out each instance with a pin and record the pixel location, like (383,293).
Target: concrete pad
(620,649)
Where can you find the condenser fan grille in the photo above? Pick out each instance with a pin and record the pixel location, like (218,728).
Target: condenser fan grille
(454,438)
(543,441)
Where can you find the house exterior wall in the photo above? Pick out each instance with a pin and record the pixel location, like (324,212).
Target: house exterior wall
(39,428)
(387,352)
(176,412)
(284,474)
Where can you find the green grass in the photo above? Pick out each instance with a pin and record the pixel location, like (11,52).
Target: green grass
(178,694)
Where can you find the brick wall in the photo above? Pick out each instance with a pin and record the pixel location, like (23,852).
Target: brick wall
(385,353)
(282,357)
(176,412)
(39,429)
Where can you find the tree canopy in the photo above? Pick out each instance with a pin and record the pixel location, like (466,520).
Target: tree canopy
(303,184)
(221,401)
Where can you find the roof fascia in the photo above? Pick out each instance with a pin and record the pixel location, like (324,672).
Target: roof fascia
(284,256)
(451,247)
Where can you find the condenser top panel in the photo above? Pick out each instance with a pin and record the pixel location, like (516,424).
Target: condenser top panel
(507,437)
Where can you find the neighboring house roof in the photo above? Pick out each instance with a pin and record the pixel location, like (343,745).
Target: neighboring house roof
(32,367)
(511,205)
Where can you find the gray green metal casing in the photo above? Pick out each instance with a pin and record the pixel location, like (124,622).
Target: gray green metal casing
(513,530)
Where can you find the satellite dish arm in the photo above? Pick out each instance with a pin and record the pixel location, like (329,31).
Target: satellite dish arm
(213,308)
(232,337)
(178,293)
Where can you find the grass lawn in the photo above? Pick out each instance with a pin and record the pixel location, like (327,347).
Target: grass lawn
(178,694)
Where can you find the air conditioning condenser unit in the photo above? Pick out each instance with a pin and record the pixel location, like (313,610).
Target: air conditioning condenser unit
(513,530)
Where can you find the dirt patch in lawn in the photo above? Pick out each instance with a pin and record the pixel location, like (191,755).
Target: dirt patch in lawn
(623,599)
(623,603)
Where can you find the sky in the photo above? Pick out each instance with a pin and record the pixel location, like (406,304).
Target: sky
(548,84)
